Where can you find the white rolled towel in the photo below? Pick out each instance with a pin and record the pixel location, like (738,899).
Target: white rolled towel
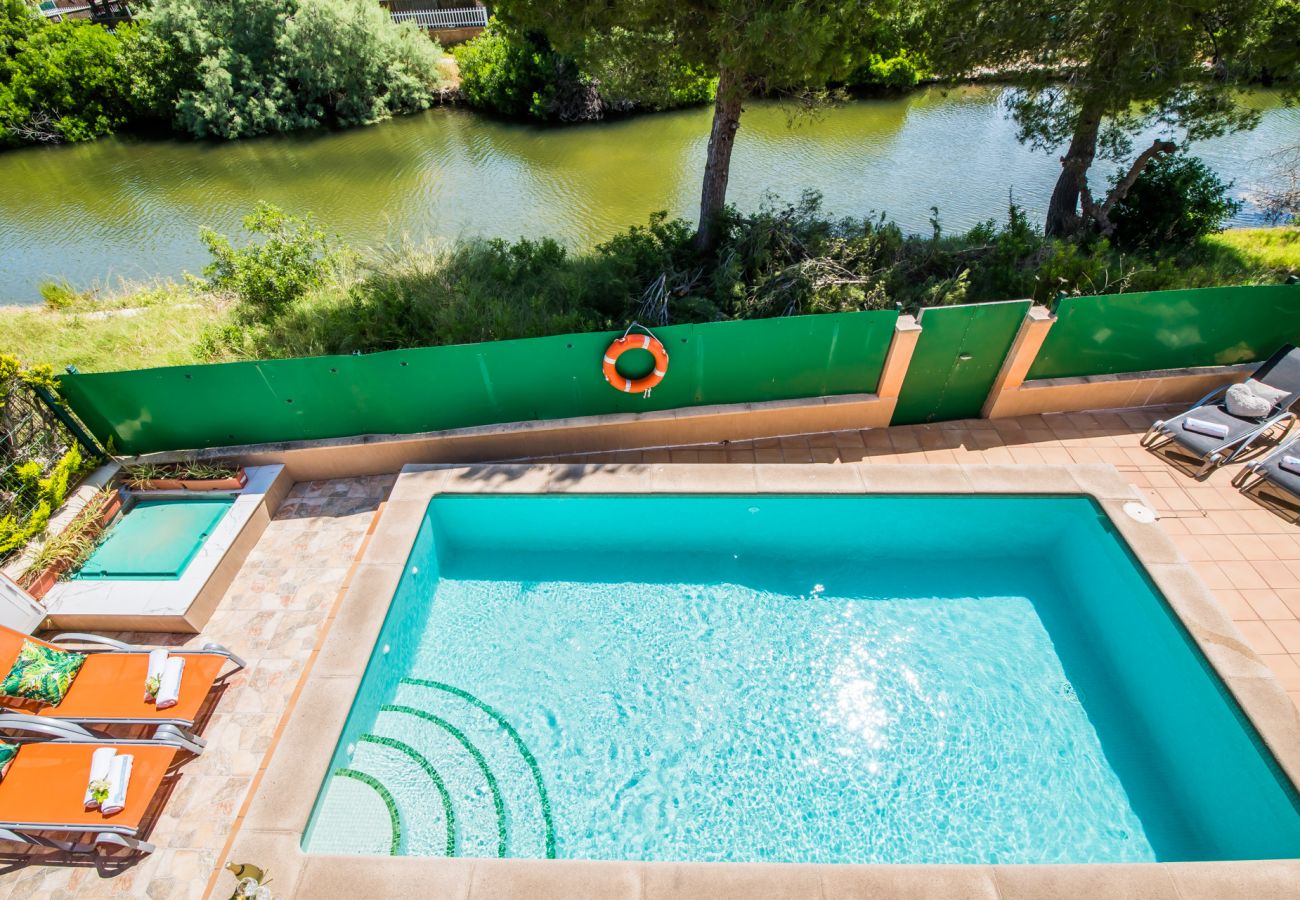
(1291,464)
(119,779)
(1209,429)
(157,659)
(100,761)
(169,691)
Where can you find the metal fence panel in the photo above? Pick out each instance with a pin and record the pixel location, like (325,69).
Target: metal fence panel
(438,388)
(1117,333)
(956,361)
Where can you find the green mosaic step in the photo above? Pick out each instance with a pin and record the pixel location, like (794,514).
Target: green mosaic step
(421,797)
(474,794)
(505,772)
(373,826)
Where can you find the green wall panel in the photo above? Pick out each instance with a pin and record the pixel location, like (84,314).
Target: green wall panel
(1168,330)
(437,388)
(956,361)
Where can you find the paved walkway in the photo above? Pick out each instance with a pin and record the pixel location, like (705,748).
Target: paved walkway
(275,611)
(271,616)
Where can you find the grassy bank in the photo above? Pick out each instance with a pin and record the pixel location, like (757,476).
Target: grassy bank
(775,263)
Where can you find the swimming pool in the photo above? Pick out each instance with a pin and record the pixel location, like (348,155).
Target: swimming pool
(155,539)
(961,679)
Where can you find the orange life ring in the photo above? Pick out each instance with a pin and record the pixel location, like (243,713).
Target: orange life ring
(635,342)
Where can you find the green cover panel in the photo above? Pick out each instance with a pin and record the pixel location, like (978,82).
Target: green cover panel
(437,388)
(956,361)
(1168,330)
(156,539)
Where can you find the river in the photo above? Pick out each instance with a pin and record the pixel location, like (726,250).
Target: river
(128,208)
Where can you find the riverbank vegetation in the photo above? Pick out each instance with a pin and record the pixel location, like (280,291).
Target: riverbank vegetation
(1091,75)
(1094,75)
(292,291)
(224,70)
(509,71)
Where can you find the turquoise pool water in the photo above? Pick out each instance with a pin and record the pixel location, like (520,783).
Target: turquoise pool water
(155,539)
(805,679)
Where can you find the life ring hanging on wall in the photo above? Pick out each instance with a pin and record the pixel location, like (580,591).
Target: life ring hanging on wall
(628,342)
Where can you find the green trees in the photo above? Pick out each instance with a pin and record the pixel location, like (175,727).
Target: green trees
(515,73)
(752,46)
(59,81)
(231,69)
(1270,53)
(1096,73)
(293,255)
(248,67)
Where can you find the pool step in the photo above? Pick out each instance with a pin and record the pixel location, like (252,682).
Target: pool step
(499,773)
(474,795)
(441,773)
(362,817)
(426,815)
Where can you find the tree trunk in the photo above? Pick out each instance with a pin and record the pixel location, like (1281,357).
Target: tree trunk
(1063,212)
(1100,213)
(713,197)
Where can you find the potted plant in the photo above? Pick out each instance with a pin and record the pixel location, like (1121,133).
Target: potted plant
(67,550)
(184,476)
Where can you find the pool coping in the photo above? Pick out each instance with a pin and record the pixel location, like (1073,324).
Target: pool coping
(279,811)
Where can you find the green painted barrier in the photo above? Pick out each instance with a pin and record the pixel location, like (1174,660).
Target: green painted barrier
(1168,330)
(956,361)
(438,388)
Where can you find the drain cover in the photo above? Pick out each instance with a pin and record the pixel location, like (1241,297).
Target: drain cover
(1140,512)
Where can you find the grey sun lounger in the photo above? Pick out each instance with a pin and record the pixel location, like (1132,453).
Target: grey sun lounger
(1281,371)
(1269,471)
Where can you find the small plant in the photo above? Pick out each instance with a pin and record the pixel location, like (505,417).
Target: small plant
(70,548)
(293,256)
(138,475)
(99,790)
(59,294)
(197,471)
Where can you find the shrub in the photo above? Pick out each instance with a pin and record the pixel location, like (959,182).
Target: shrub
(895,63)
(33,482)
(516,74)
(1176,201)
(248,67)
(63,81)
(894,72)
(293,257)
(504,72)
(301,297)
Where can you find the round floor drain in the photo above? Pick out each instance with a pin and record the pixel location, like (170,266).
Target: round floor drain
(1140,512)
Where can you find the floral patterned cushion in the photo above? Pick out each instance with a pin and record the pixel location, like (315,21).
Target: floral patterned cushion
(7,754)
(42,673)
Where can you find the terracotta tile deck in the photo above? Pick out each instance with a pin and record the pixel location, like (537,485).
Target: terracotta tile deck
(275,612)
(271,616)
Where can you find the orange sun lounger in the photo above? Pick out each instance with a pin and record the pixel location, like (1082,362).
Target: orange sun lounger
(109,688)
(45,787)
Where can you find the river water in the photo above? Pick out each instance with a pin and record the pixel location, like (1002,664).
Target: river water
(126,208)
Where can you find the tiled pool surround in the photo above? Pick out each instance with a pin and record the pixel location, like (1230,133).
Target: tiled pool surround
(279,811)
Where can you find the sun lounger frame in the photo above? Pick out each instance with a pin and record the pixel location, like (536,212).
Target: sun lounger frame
(63,731)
